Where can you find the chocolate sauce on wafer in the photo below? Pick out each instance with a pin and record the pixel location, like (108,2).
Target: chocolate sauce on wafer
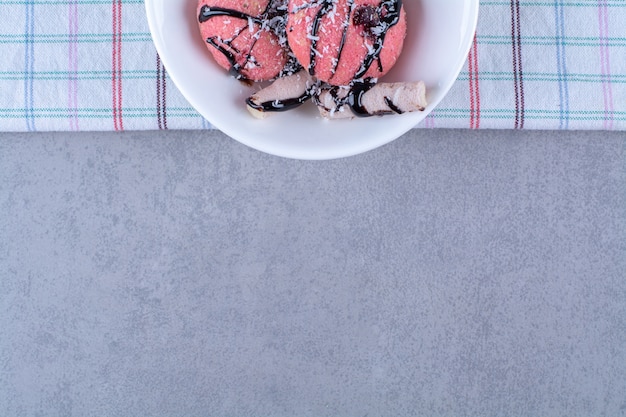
(281,105)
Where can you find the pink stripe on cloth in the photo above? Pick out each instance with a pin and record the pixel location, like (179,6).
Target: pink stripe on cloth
(73,65)
(429,122)
(116,66)
(474,86)
(603,20)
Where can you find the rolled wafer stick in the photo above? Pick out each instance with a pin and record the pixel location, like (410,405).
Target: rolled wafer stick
(357,100)
(283,94)
(363,100)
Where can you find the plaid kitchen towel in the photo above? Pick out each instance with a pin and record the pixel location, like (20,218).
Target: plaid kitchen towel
(91,65)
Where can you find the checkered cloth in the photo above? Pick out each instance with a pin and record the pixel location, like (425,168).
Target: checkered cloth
(91,65)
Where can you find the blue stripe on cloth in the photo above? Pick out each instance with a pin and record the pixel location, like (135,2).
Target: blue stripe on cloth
(561,64)
(29,65)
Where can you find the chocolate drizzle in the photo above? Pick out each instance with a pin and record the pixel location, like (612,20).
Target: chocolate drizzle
(281,105)
(380,20)
(234,66)
(355,98)
(389,13)
(327,6)
(225,47)
(392,106)
(344,35)
(207,12)
(351,96)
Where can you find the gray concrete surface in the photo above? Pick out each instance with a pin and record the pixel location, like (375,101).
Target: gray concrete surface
(450,273)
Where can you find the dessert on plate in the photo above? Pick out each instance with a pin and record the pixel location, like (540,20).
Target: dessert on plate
(330,52)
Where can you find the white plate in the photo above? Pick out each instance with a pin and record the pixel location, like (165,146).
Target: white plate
(438,41)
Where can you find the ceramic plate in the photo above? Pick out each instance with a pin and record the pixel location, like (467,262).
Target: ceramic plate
(438,40)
